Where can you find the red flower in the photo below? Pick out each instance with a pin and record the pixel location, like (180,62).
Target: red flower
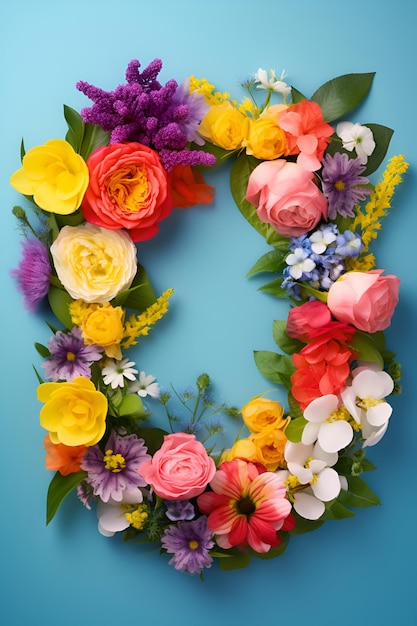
(246,507)
(128,189)
(188,187)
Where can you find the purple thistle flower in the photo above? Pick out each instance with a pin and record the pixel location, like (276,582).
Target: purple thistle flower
(115,472)
(149,113)
(33,273)
(343,184)
(70,356)
(190,543)
(179,510)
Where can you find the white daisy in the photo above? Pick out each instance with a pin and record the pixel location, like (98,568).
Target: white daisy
(145,386)
(115,372)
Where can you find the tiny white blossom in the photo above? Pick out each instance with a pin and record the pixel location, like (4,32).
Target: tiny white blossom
(145,386)
(320,239)
(115,372)
(273,83)
(356,137)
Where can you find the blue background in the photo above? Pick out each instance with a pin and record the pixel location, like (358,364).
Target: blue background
(356,570)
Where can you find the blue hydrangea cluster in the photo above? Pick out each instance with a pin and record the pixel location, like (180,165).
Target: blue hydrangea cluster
(319,258)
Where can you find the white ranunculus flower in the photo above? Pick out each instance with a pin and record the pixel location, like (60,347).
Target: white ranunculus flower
(94,264)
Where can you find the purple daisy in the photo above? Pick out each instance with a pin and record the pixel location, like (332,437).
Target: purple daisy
(190,543)
(343,184)
(70,356)
(33,273)
(115,472)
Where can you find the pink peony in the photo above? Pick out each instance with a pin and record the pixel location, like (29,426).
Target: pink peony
(286,197)
(365,300)
(181,469)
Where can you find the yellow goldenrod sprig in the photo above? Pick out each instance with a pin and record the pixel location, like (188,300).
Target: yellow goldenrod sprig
(138,325)
(207,90)
(369,219)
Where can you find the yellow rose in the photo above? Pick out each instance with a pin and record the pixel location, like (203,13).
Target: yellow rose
(55,175)
(260,415)
(94,264)
(74,413)
(269,447)
(103,324)
(265,139)
(224,126)
(242,449)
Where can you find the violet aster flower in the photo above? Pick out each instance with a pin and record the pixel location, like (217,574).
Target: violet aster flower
(179,510)
(196,109)
(70,356)
(190,543)
(115,472)
(33,273)
(145,111)
(343,184)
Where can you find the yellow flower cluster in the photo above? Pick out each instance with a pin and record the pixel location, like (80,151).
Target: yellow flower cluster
(266,442)
(207,90)
(138,325)
(138,517)
(369,220)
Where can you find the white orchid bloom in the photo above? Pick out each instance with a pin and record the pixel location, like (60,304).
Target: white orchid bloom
(111,514)
(365,401)
(328,423)
(356,137)
(311,466)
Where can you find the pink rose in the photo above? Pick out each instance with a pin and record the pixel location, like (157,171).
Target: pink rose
(286,197)
(306,318)
(180,469)
(364,299)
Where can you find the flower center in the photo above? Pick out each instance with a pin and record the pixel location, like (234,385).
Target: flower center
(114,462)
(70,356)
(129,188)
(138,517)
(193,544)
(245,506)
(367,403)
(339,185)
(340,414)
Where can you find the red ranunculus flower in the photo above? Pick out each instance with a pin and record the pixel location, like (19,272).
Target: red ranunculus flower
(128,189)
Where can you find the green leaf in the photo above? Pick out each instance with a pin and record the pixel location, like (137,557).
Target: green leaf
(59,487)
(74,219)
(272,261)
(366,348)
(154,438)
(237,560)
(59,301)
(336,510)
(84,138)
(75,131)
(359,494)
(274,288)
(297,96)
(42,350)
(282,338)
(303,525)
(94,137)
(342,94)
(382,136)
(275,367)
(295,428)
(294,407)
(274,552)
(140,295)
(131,405)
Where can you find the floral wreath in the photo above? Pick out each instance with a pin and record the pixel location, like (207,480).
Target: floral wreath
(300,178)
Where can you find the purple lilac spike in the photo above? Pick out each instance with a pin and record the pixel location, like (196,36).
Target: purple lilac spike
(33,273)
(162,117)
